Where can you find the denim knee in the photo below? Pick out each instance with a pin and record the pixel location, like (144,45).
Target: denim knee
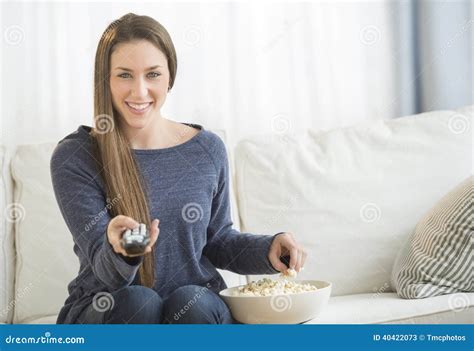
(134,304)
(192,304)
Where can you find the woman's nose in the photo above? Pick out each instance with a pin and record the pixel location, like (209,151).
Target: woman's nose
(140,88)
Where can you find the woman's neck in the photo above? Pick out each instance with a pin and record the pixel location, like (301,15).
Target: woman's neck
(157,135)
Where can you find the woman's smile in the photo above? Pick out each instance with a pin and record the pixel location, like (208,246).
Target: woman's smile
(138,108)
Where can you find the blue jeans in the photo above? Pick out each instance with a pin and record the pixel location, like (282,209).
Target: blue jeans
(136,304)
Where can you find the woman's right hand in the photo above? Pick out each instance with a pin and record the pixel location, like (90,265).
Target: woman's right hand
(121,223)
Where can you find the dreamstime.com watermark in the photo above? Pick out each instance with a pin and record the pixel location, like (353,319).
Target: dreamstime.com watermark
(97,217)
(192,212)
(191,302)
(370,212)
(46,339)
(18,296)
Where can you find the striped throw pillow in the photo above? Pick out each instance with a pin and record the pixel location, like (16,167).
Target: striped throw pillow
(438,258)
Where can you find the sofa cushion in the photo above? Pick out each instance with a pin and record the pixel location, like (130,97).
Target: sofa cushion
(380,307)
(46,262)
(42,320)
(8,212)
(384,308)
(438,258)
(352,196)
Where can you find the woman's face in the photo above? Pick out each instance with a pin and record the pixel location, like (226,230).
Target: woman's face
(139,81)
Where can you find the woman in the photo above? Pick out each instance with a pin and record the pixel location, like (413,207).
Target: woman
(136,165)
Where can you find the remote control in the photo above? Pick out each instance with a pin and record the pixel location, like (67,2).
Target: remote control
(134,241)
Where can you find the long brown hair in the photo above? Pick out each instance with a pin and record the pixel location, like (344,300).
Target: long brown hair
(112,150)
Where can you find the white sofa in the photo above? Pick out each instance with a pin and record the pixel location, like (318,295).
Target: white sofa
(351,196)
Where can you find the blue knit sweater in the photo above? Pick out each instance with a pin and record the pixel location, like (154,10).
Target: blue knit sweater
(188,189)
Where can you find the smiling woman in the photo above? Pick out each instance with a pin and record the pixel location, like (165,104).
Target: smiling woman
(135,43)
(156,168)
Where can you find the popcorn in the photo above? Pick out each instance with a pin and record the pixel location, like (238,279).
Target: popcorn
(289,273)
(269,287)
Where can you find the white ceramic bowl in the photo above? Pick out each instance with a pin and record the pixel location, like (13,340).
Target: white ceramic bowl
(278,309)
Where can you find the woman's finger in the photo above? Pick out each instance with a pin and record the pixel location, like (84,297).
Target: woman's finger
(303,258)
(130,223)
(123,223)
(276,263)
(155,231)
(274,258)
(299,263)
(293,256)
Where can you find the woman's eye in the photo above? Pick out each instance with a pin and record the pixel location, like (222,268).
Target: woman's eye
(150,75)
(154,74)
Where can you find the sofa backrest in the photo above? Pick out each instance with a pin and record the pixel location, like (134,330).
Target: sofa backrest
(352,196)
(45,262)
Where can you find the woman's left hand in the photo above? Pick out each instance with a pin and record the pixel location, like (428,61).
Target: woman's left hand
(284,245)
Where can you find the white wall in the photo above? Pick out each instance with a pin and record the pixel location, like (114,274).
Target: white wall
(249,68)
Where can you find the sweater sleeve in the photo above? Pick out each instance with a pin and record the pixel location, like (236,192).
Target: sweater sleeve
(227,248)
(83,206)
